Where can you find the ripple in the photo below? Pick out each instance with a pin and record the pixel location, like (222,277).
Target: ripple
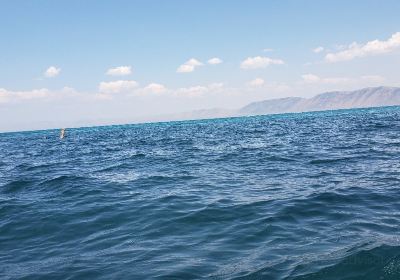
(292,196)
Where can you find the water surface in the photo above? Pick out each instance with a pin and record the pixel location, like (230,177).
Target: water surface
(292,196)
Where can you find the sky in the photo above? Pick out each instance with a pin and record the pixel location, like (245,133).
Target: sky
(76,63)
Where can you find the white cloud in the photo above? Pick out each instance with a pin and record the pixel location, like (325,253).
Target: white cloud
(184,68)
(257,82)
(312,79)
(259,62)
(119,71)
(117,86)
(318,49)
(196,91)
(259,85)
(155,88)
(336,80)
(214,61)
(43,93)
(368,79)
(52,71)
(374,47)
(189,66)
(194,62)
(7,95)
(183,92)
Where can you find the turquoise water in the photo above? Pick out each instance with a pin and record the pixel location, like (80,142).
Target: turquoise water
(294,196)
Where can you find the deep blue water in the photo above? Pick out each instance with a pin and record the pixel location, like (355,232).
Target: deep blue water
(293,196)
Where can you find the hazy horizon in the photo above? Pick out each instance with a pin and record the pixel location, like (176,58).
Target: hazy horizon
(213,113)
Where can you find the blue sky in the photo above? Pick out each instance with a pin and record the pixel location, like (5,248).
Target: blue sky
(261,50)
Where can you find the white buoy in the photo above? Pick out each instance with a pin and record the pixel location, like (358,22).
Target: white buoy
(62,133)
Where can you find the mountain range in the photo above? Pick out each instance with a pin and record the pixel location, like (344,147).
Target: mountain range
(362,98)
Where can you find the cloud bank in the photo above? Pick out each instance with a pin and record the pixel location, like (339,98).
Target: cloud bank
(374,47)
(314,79)
(117,86)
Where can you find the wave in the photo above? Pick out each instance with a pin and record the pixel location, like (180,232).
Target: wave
(299,196)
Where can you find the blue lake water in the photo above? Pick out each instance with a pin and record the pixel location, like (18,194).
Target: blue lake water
(292,196)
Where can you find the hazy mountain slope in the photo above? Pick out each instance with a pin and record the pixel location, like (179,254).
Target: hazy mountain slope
(281,105)
(367,97)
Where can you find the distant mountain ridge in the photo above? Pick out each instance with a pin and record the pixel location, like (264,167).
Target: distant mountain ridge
(363,98)
(335,100)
